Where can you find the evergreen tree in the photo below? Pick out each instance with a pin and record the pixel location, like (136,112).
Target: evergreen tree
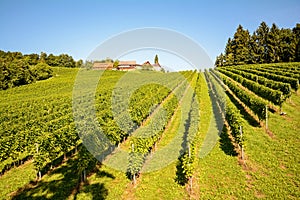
(265,45)
(253,49)
(296,32)
(219,60)
(240,46)
(287,45)
(262,41)
(116,64)
(229,54)
(273,44)
(156,59)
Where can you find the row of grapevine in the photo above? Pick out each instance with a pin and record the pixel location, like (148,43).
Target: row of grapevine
(150,95)
(287,67)
(122,99)
(140,103)
(145,99)
(279,72)
(273,96)
(293,66)
(292,81)
(145,137)
(38,119)
(104,115)
(26,119)
(256,104)
(190,143)
(232,114)
(283,69)
(285,88)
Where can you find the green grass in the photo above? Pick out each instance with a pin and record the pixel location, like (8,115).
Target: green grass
(58,184)
(218,174)
(160,184)
(106,183)
(15,179)
(275,161)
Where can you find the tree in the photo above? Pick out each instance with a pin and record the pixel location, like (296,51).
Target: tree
(20,73)
(296,32)
(32,59)
(66,61)
(16,69)
(229,56)
(262,33)
(273,44)
(265,45)
(287,45)
(253,49)
(41,71)
(43,57)
(116,64)
(63,60)
(240,46)
(79,63)
(219,60)
(156,59)
(52,60)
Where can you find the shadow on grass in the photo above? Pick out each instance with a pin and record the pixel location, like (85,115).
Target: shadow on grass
(100,174)
(97,191)
(181,178)
(243,112)
(60,184)
(65,179)
(226,144)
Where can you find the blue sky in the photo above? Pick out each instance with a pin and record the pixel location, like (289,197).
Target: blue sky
(78,27)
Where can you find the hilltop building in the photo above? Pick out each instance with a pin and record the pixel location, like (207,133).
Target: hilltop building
(127,66)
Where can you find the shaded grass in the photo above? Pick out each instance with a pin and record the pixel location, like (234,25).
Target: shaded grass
(226,144)
(106,183)
(16,178)
(58,184)
(251,121)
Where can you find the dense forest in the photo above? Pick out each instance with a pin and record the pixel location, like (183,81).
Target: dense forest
(265,45)
(17,69)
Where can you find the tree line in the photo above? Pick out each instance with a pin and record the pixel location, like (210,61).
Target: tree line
(265,45)
(17,69)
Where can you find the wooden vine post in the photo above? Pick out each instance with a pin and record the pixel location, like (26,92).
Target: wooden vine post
(191,178)
(39,170)
(242,149)
(266,117)
(133,176)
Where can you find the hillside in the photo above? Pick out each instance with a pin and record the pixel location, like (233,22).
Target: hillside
(38,134)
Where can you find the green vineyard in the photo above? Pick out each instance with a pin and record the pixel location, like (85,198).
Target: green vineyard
(226,133)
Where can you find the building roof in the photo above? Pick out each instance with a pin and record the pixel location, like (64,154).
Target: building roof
(147,63)
(98,65)
(130,62)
